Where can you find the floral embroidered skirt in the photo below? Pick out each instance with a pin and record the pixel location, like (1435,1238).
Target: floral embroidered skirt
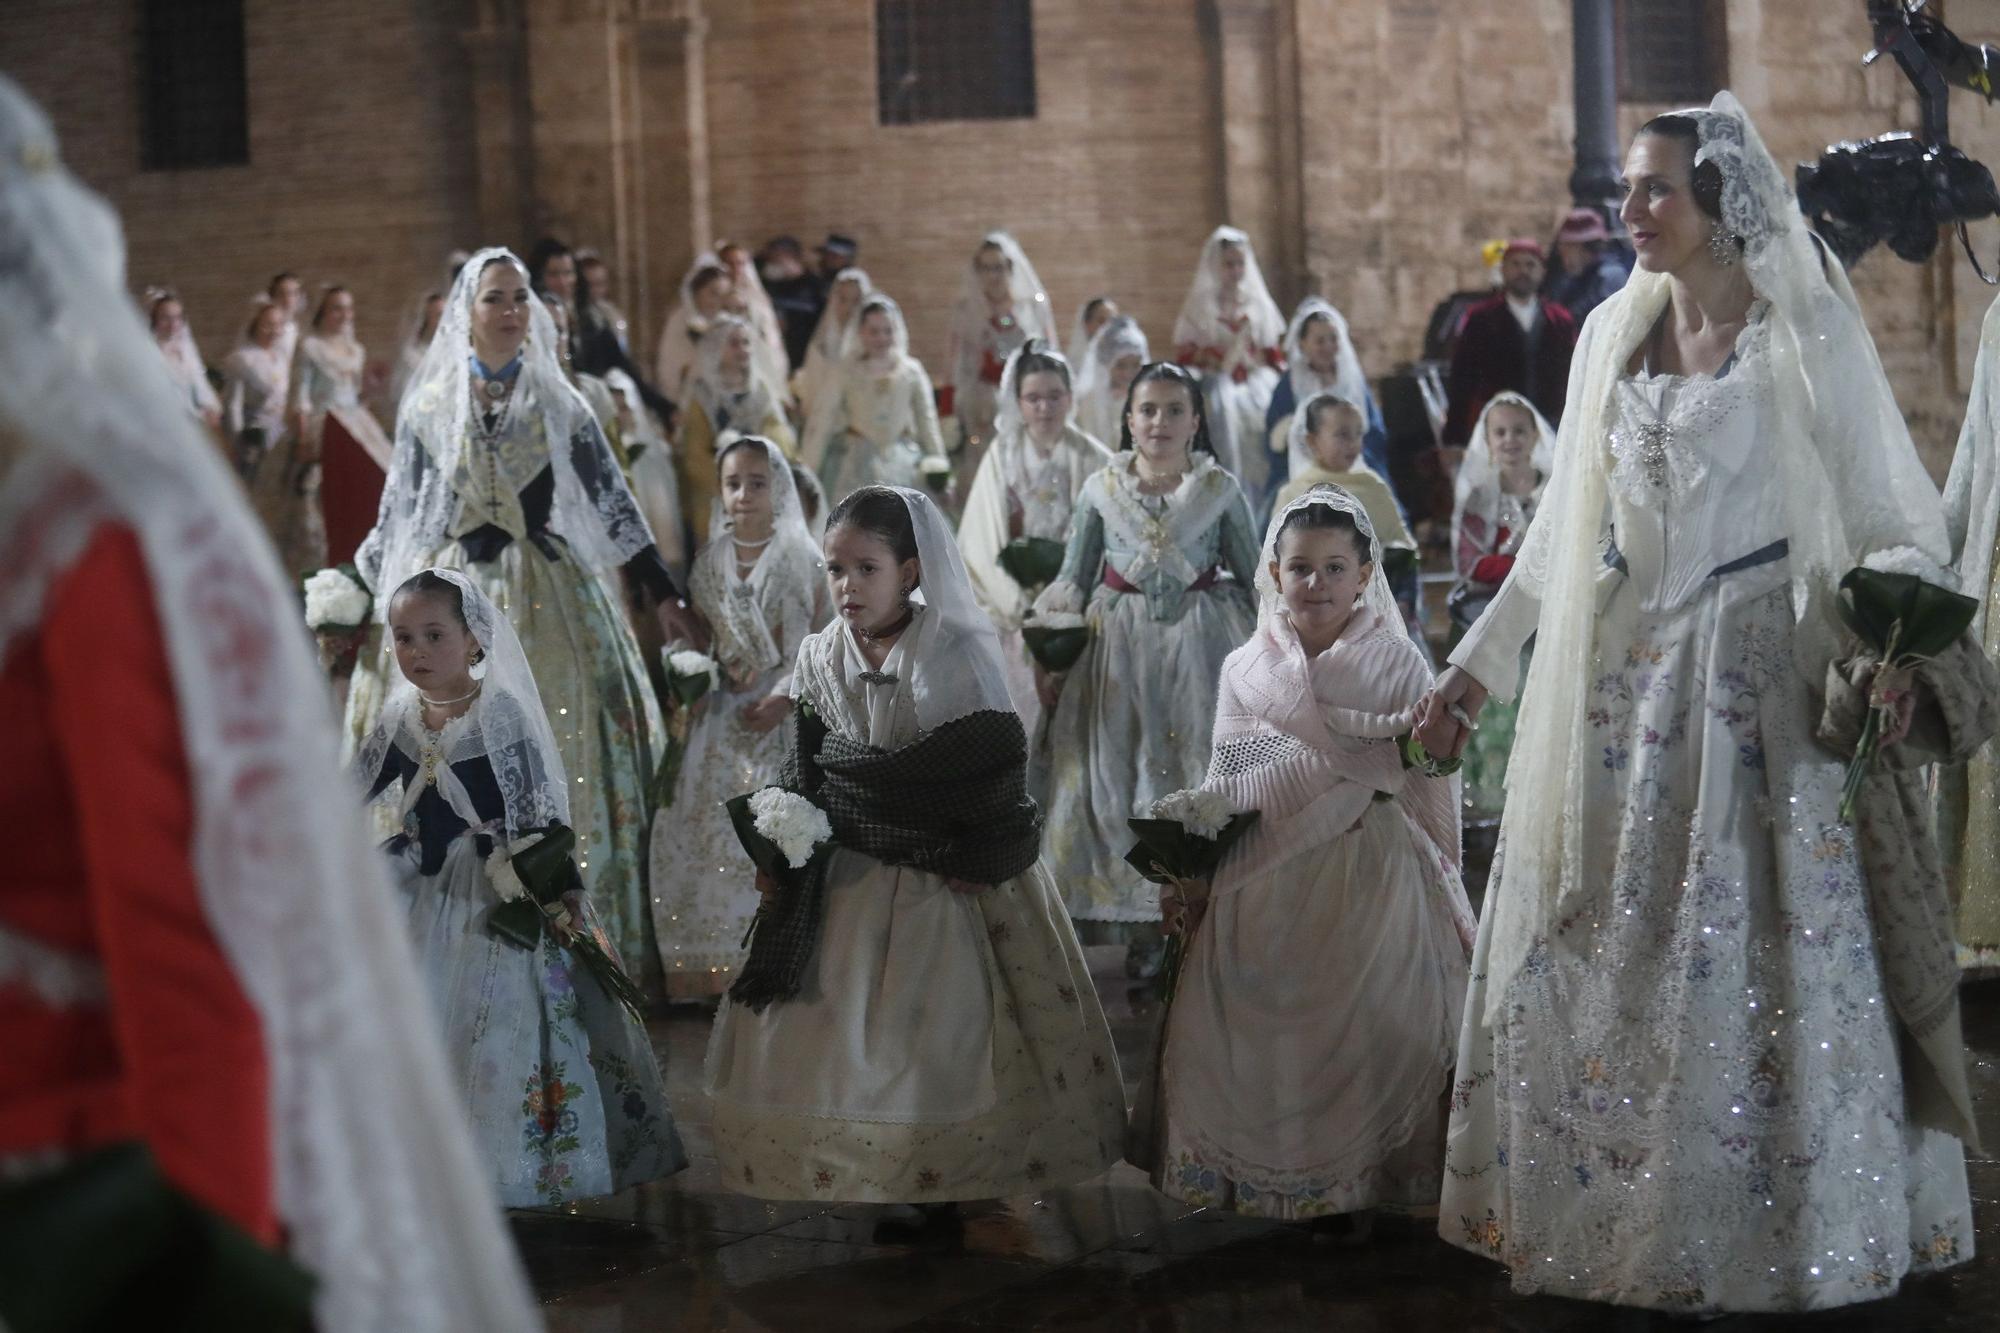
(601,708)
(1133,724)
(945,1046)
(1309,1046)
(567,1101)
(1693,1099)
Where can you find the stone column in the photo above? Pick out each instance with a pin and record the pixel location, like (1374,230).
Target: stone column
(1594,51)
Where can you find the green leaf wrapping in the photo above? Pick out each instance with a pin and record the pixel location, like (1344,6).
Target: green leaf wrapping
(1167,851)
(1056,649)
(1032,562)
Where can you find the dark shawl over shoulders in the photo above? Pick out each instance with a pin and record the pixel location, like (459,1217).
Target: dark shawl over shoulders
(953,802)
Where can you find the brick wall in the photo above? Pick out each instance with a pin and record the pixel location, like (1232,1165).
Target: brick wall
(1111,188)
(360,166)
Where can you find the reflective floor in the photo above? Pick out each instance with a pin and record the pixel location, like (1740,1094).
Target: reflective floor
(688,1254)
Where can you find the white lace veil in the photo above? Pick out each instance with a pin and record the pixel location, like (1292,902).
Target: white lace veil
(1298,433)
(507,726)
(707,389)
(1348,379)
(830,330)
(1079,338)
(1478,468)
(1376,596)
(1030,299)
(1096,406)
(743,637)
(1007,417)
(853,351)
(375,1179)
(957,653)
(1854,492)
(1201,312)
(438,466)
(184,357)
(1972,492)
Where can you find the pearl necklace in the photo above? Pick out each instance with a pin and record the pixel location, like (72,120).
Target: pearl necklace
(447,703)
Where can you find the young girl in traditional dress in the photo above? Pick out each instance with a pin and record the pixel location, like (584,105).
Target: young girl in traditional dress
(283,476)
(1320,358)
(1160,560)
(1310,1041)
(566,1099)
(1001,304)
(879,421)
(1500,482)
(1228,333)
(328,416)
(915,1023)
(821,370)
(168,318)
(728,392)
(1026,487)
(1324,446)
(1091,316)
(705,293)
(1103,377)
(760,584)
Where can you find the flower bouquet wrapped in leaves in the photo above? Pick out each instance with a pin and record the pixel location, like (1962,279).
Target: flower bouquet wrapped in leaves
(1033,562)
(1179,848)
(532,878)
(337,605)
(690,675)
(936,473)
(781,830)
(1056,639)
(1904,622)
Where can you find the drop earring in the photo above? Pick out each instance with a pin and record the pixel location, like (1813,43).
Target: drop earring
(477,670)
(1721,244)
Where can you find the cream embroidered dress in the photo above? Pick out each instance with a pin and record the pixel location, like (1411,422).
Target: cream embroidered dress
(704,887)
(1691,1097)
(1133,723)
(877,421)
(945,1045)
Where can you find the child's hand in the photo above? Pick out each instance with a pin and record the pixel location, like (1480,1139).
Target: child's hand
(1048,687)
(766,886)
(766,712)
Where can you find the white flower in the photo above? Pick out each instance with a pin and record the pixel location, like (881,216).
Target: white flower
(500,873)
(1909,560)
(334,599)
(688,662)
(1202,813)
(933,466)
(1055,620)
(791,822)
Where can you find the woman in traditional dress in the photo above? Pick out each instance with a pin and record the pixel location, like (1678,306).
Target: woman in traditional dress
(1160,561)
(878,422)
(1506,469)
(915,1023)
(1310,1041)
(705,293)
(1969,796)
(1001,304)
(277,464)
(328,415)
(761,585)
(821,371)
(1320,358)
(750,302)
(1026,487)
(1110,363)
(212,1017)
(501,472)
(1711,1056)
(418,330)
(1228,332)
(168,318)
(464,752)
(727,392)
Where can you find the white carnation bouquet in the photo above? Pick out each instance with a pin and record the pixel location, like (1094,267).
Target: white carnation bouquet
(337,601)
(1179,848)
(1056,639)
(936,471)
(781,830)
(691,674)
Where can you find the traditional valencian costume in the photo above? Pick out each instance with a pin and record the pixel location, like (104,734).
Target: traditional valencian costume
(1711,1055)
(566,1099)
(1310,1042)
(705,890)
(893,1039)
(218,1050)
(504,473)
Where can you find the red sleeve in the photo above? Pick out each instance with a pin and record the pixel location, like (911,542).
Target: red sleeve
(190,1047)
(1492,569)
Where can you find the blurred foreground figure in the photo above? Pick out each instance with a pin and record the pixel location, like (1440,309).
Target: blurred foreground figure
(223,1105)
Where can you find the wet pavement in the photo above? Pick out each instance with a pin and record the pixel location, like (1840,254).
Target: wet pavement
(1113,1254)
